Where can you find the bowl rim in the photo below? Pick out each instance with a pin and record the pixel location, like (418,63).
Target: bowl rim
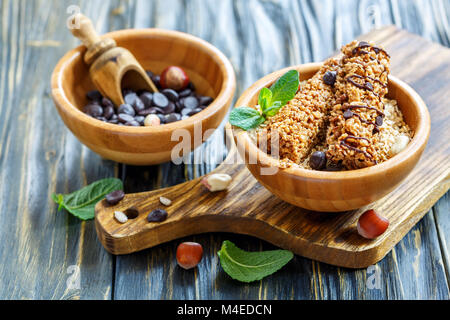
(417,143)
(227,89)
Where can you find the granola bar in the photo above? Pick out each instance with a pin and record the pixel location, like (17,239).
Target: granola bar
(300,122)
(358,113)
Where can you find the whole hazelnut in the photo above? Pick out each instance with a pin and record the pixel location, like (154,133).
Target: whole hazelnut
(189,254)
(174,78)
(371,225)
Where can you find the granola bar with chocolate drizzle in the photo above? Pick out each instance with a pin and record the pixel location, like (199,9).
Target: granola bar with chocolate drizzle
(356,118)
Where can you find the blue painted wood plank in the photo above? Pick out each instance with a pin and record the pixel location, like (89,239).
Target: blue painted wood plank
(258,42)
(39,156)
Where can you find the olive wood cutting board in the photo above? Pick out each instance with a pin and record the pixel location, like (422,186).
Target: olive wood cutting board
(248,208)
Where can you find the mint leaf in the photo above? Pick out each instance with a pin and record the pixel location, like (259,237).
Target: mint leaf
(82,203)
(286,87)
(265,98)
(251,266)
(273,110)
(269,100)
(246,118)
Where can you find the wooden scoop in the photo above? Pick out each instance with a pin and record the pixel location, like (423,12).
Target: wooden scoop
(111,67)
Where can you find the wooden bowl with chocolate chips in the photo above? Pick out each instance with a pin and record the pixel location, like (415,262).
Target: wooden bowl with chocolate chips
(327,190)
(135,140)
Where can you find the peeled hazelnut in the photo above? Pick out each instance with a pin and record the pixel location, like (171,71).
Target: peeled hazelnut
(165,201)
(174,78)
(401,142)
(217,182)
(152,120)
(120,216)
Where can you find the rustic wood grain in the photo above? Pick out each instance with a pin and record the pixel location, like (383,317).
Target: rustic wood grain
(249,68)
(38,157)
(249,33)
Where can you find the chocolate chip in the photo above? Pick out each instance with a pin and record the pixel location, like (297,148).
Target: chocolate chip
(379,121)
(124,118)
(147,99)
(329,78)
(184,117)
(138,105)
(162,118)
(205,101)
(151,110)
(156,81)
(139,119)
(173,117)
(146,112)
(178,106)
(318,160)
(108,112)
(133,123)
(348,114)
(169,109)
(101,119)
(190,102)
(158,215)
(94,95)
(185,93)
(130,98)
(113,121)
(127,109)
(107,103)
(172,95)
(160,100)
(94,110)
(194,111)
(185,112)
(115,197)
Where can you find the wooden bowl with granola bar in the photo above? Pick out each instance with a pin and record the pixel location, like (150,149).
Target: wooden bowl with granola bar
(349,137)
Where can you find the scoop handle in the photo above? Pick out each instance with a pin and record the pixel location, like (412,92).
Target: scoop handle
(84,30)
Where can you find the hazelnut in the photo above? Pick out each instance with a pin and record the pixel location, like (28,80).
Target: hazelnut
(217,182)
(400,143)
(120,216)
(189,254)
(174,78)
(152,120)
(165,201)
(371,225)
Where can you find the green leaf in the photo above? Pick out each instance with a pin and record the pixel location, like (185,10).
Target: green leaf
(82,203)
(251,266)
(273,110)
(265,98)
(286,87)
(246,118)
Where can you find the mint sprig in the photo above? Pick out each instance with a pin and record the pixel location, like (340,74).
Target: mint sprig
(81,203)
(270,101)
(251,266)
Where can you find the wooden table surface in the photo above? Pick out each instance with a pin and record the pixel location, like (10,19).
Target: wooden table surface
(42,250)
